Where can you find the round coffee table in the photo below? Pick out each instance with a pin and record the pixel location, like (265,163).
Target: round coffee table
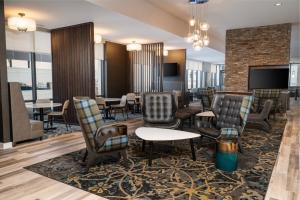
(148,134)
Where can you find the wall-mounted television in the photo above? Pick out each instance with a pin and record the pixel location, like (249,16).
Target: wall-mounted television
(268,77)
(170,69)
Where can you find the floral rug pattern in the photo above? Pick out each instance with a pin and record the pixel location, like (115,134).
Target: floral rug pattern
(173,174)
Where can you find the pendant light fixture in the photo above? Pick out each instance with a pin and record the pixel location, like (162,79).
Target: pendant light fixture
(134,46)
(21,23)
(198,29)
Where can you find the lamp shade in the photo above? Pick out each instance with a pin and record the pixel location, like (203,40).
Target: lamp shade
(21,23)
(134,46)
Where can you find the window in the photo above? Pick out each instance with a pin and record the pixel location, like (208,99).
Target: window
(20,71)
(44,80)
(100,77)
(294,75)
(33,71)
(190,77)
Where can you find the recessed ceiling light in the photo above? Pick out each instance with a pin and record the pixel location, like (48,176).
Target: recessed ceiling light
(278,4)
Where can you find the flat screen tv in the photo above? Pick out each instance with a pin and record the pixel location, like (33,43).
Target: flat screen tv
(269,77)
(170,69)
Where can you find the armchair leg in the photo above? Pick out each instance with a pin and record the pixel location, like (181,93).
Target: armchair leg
(240,146)
(124,155)
(64,118)
(85,155)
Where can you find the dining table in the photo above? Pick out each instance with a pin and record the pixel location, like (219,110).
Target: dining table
(42,106)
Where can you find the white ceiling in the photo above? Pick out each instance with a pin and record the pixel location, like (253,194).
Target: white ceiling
(111,25)
(231,14)
(165,21)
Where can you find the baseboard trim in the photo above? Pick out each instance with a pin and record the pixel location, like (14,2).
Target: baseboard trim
(6,145)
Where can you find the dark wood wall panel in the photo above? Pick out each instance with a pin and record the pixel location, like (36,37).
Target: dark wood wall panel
(117,78)
(73,63)
(176,83)
(4,100)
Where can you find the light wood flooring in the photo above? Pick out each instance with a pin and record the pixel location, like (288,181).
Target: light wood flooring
(19,183)
(285,179)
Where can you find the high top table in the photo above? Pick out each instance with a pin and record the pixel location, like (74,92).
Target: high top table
(158,134)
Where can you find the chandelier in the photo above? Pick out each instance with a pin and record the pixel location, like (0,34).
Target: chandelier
(197,28)
(134,46)
(21,23)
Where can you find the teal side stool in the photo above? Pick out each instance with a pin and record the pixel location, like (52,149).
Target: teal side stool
(227,150)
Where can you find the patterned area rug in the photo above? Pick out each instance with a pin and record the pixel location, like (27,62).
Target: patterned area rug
(173,175)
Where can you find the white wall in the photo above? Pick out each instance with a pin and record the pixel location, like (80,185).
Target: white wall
(99,51)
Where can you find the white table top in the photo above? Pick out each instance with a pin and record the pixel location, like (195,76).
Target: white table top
(205,114)
(159,134)
(42,105)
(112,99)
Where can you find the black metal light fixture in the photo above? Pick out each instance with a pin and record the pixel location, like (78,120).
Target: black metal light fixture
(198,1)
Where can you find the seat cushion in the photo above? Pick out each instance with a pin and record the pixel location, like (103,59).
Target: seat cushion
(114,143)
(172,125)
(253,117)
(117,106)
(55,113)
(182,114)
(210,132)
(194,109)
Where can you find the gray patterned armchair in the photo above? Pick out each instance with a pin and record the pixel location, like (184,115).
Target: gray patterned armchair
(206,95)
(159,110)
(231,112)
(261,120)
(100,140)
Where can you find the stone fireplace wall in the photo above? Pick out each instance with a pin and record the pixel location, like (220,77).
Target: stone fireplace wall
(266,45)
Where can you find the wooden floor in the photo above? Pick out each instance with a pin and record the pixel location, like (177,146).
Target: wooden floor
(18,183)
(285,180)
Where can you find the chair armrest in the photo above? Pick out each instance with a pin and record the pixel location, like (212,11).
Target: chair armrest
(103,133)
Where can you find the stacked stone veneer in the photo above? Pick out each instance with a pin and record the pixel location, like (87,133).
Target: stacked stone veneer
(266,45)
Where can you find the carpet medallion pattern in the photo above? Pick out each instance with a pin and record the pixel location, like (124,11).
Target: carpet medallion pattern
(173,175)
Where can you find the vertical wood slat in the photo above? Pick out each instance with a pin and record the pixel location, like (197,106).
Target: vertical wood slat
(4,99)
(73,63)
(146,68)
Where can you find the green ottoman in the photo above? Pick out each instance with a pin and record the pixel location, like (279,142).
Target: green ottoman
(227,150)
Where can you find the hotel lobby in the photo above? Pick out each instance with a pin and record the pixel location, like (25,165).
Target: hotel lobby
(149,99)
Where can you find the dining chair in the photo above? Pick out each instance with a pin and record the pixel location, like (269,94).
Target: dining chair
(105,110)
(60,114)
(121,108)
(133,104)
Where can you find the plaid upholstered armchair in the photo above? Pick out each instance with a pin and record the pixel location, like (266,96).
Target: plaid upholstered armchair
(262,95)
(159,110)
(231,113)
(206,96)
(100,140)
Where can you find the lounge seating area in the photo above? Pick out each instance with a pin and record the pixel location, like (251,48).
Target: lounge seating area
(145,99)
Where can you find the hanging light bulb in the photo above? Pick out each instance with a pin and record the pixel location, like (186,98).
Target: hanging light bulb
(204,26)
(205,40)
(195,36)
(198,45)
(192,21)
(189,38)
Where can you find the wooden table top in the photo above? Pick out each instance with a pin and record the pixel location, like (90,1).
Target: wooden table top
(42,105)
